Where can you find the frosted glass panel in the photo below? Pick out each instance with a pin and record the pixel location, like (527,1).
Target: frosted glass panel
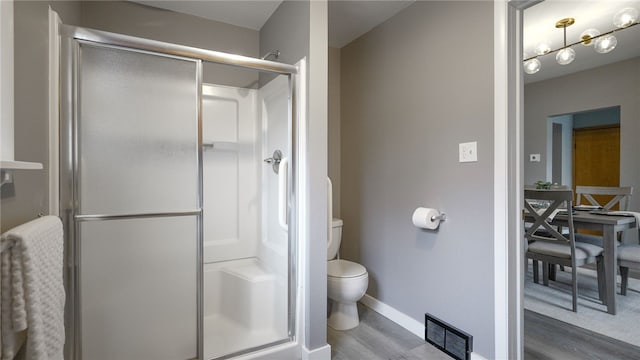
(138,289)
(137,131)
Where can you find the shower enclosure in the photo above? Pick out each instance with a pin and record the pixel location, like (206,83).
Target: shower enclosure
(176,197)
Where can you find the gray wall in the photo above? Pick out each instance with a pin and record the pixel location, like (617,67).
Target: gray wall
(334,127)
(29,193)
(287,30)
(162,25)
(410,94)
(317,134)
(616,84)
(602,117)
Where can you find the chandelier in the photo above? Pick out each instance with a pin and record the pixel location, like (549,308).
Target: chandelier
(602,42)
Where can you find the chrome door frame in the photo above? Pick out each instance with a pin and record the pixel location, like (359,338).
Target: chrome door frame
(71,37)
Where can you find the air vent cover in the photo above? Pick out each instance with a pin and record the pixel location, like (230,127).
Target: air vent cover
(455,342)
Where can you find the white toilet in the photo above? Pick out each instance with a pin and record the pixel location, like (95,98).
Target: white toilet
(347,283)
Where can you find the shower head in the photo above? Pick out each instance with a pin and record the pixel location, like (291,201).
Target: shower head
(275,54)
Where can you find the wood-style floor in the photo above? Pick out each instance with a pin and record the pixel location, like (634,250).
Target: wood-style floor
(547,338)
(378,338)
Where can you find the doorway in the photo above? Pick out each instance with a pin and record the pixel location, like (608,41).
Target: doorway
(547,94)
(583,148)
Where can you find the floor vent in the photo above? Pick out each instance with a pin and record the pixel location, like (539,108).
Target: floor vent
(455,342)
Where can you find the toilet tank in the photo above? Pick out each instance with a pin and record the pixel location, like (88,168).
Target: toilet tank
(333,243)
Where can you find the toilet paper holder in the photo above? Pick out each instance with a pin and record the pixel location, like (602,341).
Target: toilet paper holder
(427,218)
(441,217)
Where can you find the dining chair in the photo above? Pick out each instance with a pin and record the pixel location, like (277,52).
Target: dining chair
(628,257)
(620,196)
(551,246)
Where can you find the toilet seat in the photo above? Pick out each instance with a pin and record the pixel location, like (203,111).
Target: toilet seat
(344,269)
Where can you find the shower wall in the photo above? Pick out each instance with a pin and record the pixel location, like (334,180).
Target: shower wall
(245,248)
(274,112)
(230,167)
(241,127)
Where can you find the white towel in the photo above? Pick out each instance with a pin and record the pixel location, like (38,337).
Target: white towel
(32,291)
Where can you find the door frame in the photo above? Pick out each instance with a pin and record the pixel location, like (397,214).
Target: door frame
(508,178)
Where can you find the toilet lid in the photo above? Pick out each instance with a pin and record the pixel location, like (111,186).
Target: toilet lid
(344,269)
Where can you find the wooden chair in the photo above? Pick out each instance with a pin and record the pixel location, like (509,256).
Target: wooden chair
(621,196)
(628,257)
(551,246)
(628,254)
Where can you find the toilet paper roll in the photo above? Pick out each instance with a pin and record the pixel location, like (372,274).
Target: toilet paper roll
(422,218)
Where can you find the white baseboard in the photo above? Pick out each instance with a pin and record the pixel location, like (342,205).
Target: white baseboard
(410,324)
(321,353)
(407,322)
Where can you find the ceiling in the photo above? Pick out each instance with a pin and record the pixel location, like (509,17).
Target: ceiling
(348,20)
(539,26)
(250,14)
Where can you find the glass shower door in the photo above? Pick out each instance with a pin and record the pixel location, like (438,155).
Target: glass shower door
(136,209)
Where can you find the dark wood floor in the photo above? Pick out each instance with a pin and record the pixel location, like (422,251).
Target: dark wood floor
(547,338)
(378,338)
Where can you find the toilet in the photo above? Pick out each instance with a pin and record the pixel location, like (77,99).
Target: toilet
(347,282)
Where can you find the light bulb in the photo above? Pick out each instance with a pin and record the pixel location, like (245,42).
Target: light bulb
(605,44)
(588,35)
(565,56)
(532,66)
(625,17)
(542,48)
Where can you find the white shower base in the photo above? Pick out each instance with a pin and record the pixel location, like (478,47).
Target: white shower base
(251,311)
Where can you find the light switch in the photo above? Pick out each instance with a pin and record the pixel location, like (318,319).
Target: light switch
(534,157)
(468,151)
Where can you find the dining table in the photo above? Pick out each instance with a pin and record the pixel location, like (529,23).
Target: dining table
(610,225)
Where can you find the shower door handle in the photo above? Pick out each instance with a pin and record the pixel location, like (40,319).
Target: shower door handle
(283,193)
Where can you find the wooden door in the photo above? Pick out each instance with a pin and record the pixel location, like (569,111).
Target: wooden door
(596,156)
(596,159)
